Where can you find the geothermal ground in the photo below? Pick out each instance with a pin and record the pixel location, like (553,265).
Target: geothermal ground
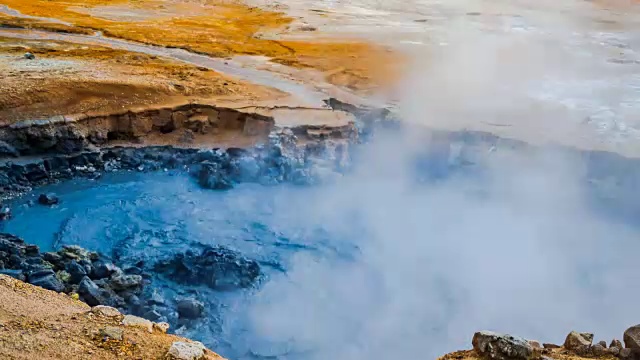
(314,179)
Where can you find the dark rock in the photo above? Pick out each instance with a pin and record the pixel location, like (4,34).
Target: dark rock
(53,258)
(614,350)
(16,274)
(48,199)
(45,278)
(8,150)
(152,315)
(29,56)
(216,267)
(190,308)
(134,270)
(90,292)
(602,343)
(103,269)
(76,271)
(120,282)
(576,340)
(500,346)
(31,250)
(156,299)
(631,337)
(616,343)
(212,177)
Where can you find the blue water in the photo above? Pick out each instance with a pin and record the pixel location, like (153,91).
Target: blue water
(132,216)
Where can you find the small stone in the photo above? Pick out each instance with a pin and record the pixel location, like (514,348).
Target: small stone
(112,332)
(535,344)
(104,310)
(603,343)
(90,292)
(135,321)
(29,56)
(181,350)
(161,326)
(501,346)
(152,315)
(616,343)
(575,340)
(48,199)
(190,308)
(631,337)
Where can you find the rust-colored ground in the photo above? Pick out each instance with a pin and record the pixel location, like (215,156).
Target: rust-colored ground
(41,324)
(219,28)
(70,79)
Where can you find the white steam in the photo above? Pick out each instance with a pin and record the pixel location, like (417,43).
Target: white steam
(520,251)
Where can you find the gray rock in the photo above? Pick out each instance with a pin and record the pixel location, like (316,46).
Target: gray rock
(29,56)
(616,343)
(102,269)
(106,311)
(501,346)
(576,340)
(624,353)
(598,350)
(190,308)
(112,332)
(152,315)
(614,350)
(631,337)
(135,321)
(181,350)
(121,282)
(603,343)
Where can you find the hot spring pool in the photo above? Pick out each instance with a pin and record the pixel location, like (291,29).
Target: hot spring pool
(373,266)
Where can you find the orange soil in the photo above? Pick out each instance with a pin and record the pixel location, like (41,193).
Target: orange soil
(222,28)
(69,79)
(41,324)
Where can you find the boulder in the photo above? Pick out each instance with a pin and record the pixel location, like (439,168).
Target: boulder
(120,282)
(161,326)
(535,344)
(190,308)
(102,269)
(76,272)
(45,278)
(48,199)
(90,292)
(603,343)
(5,213)
(631,337)
(112,332)
(16,274)
(106,311)
(496,346)
(616,343)
(624,353)
(598,350)
(181,350)
(135,321)
(212,177)
(576,340)
(216,267)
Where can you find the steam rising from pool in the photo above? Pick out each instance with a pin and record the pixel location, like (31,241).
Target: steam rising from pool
(395,261)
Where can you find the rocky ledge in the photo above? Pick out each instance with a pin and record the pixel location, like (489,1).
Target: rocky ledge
(577,345)
(39,323)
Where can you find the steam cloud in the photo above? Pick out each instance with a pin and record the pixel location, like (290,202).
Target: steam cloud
(518,251)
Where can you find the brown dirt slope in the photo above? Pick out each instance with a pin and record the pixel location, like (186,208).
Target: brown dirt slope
(41,324)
